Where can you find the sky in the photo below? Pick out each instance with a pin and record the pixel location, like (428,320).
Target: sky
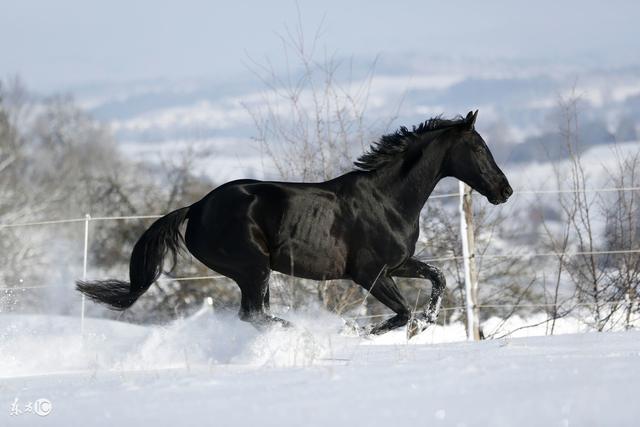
(58,45)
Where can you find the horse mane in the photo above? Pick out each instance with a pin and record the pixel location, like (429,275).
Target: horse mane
(391,145)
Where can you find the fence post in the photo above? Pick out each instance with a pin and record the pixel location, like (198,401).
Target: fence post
(87,218)
(469,262)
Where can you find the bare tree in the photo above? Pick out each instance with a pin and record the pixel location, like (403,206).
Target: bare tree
(310,120)
(311,123)
(622,232)
(589,261)
(58,162)
(19,200)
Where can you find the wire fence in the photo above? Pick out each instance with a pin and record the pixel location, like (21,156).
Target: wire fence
(87,219)
(433,196)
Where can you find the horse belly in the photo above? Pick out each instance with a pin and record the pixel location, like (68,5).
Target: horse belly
(311,262)
(308,244)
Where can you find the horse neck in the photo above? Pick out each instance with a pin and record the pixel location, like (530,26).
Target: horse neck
(411,189)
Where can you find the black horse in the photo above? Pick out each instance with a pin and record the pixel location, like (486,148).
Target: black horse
(362,225)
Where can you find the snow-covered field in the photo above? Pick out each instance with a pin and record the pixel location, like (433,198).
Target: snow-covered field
(214,370)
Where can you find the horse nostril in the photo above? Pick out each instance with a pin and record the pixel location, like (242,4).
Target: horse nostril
(507,191)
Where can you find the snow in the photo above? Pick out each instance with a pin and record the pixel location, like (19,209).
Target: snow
(212,369)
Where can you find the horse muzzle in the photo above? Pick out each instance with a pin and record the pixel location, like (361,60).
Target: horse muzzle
(502,195)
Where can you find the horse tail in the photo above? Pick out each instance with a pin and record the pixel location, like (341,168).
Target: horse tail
(145,266)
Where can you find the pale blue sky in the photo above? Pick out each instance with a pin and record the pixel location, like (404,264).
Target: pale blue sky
(56,45)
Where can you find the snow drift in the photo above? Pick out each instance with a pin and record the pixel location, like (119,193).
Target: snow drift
(214,370)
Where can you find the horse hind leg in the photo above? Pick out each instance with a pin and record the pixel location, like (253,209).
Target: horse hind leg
(254,304)
(248,266)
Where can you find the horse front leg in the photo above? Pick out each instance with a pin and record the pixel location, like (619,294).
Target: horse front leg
(385,290)
(415,269)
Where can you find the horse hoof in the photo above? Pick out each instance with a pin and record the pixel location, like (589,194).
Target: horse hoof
(349,328)
(352,329)
(415,326)
(284,323)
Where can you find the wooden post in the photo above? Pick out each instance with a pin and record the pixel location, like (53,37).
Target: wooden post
(469,261)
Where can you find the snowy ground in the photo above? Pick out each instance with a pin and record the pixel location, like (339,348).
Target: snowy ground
(214,370)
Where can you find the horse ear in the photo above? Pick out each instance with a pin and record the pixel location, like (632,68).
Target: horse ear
(471,119)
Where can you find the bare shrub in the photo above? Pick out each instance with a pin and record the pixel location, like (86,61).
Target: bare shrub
(311,124)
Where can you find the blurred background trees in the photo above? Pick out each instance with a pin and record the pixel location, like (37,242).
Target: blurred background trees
(57,162)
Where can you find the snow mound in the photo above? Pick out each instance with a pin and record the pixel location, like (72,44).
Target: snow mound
(39,344)
(35,344)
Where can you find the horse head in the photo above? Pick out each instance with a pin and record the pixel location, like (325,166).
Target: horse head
(471,161)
